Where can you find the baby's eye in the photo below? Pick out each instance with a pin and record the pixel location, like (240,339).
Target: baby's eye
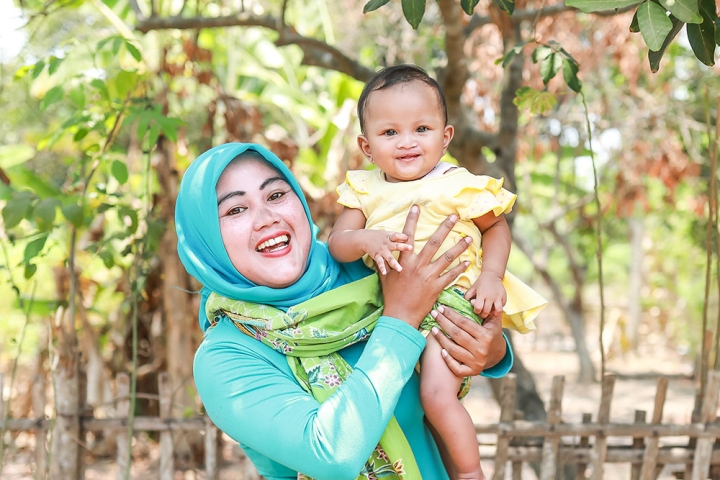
(389,133)
(422,129)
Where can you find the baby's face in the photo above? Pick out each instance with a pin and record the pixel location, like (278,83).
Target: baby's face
(405,131)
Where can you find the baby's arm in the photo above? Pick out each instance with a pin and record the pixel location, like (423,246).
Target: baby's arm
(349,240)
(488,292)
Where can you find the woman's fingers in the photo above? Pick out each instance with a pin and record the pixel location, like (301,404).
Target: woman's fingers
(470,347)
(411,224)
(437,238)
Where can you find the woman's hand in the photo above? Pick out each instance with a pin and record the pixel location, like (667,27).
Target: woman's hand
(471,347)
(411,293)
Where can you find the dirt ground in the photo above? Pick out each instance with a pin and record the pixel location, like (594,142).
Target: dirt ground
(634,390)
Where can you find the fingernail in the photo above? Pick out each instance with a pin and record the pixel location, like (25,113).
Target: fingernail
(433,313)
(441,309)
(444,353)
(414,209)
(453,218)
(434,330)
(468,240)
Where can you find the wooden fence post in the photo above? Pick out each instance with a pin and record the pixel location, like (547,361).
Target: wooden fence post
(599,452)
(516,464)
(507,412)
(210,449)
(122,410)
(638,442)
(651,448)
(584,443)
(38,406)
(703,450)
(167,466)
(548,465)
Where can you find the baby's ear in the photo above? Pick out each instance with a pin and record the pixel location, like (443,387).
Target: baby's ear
(364,145)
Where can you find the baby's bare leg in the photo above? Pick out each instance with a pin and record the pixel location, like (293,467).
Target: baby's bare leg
(438,394)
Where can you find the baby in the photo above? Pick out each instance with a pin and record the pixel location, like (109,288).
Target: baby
(404,132)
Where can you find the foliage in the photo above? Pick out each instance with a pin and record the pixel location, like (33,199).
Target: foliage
(659,22)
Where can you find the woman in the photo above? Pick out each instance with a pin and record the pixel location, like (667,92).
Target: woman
(245,233)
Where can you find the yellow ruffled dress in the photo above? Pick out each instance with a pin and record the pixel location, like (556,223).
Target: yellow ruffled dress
(385,206)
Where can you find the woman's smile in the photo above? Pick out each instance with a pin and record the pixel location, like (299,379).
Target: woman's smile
(275,244)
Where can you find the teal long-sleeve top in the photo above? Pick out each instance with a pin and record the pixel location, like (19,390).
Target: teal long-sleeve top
(250,393)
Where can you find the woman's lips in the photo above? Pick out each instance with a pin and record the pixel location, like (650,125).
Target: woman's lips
(274,244)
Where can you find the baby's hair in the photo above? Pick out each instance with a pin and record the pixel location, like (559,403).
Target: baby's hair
(397,75)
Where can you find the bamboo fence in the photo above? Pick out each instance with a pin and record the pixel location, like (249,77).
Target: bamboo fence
(548,445)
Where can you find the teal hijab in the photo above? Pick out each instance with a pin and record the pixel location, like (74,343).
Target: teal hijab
(203,253)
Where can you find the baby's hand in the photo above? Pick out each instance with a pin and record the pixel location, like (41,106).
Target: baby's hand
(380,245)
(487,295)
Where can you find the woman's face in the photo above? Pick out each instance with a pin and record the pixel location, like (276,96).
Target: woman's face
(263,224)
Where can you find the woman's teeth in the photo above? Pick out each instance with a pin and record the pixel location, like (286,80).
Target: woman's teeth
(282,239)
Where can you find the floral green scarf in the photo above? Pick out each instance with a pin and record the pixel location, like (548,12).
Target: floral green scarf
(310,335)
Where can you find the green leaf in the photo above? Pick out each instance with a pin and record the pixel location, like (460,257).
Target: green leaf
(550,67)
(507,6)
(588,6)
(120,171)
(536,101)
(53,95)
(30,270)
(77,96)
(684,10)
(22,71)
(74,214)
(541,52)
(373,5)
(17,208)
(634,27)
(413,11)
(107,257)
(127,213)
(54,64)
(38,68)
(655,57)
(702,36)
(116,43)
(133,50)
(570,71)
(11,155)
(468,6)
(654,24)
(22,177)
(45,212)
(507,58)
(33,248)
(124,82)
(717,31)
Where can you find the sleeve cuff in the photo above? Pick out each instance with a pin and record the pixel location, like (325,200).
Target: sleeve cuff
(503,367)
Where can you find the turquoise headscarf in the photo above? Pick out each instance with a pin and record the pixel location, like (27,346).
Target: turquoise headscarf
(203,253)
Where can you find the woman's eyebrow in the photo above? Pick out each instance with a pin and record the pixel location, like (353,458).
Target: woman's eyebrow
(262,186)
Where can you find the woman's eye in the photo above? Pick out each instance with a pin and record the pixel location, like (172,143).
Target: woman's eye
(276,195)
(236,210)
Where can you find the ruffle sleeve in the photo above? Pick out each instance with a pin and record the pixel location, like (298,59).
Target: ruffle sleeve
(484,194)
(355,184)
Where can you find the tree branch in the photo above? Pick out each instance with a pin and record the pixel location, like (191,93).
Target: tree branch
(477,21)
(317,53)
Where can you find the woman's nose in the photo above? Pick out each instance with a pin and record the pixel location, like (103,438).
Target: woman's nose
(265,216)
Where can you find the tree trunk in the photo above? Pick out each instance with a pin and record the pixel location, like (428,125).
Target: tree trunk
(179,310)
(65,459)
